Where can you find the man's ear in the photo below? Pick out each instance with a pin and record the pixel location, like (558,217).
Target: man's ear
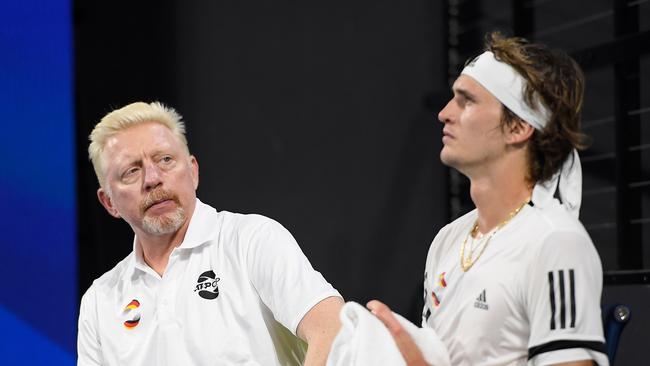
(195,171)
(106,201)
(519,132)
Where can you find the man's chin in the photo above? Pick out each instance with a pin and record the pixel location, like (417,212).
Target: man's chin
(447,159)
(163,224)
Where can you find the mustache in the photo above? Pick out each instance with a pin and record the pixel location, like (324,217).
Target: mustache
(156,196)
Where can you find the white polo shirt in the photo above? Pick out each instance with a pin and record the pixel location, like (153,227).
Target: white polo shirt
(533,297)
(225,292)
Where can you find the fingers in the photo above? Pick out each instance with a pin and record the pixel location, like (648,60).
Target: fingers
(383,312)
(410,351)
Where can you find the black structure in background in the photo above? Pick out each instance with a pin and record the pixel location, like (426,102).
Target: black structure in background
(122,54)
(319,115)
(628,134)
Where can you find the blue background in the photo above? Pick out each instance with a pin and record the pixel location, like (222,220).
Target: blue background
(38,265)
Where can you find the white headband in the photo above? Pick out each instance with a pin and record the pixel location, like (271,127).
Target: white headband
(507,85)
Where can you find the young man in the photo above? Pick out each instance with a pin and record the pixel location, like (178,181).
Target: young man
(200,287)
(517,280)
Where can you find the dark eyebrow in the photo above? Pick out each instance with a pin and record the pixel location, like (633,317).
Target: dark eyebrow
(464,93)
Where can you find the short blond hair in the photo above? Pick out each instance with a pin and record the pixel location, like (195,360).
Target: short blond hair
(129,116)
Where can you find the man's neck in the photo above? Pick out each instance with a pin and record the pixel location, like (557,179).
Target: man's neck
(156,249)
(498,194)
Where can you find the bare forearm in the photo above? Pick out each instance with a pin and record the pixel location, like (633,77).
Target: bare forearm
(319,328)
(317,352)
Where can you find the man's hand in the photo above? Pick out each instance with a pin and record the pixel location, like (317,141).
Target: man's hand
(410,351)
(318,328)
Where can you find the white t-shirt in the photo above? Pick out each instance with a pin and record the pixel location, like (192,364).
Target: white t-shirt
(532,297)
(225,292)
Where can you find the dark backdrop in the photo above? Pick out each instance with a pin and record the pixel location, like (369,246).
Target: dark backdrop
(321,115)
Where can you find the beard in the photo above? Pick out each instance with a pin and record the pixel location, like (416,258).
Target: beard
(162,224)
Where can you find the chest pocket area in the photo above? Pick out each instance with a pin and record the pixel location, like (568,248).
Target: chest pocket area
(128,333)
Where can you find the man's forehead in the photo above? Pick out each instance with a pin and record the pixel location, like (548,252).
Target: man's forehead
(141,139)
(464,82)
(467,85)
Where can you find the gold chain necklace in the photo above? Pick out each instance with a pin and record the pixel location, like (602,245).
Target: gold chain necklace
(467,262)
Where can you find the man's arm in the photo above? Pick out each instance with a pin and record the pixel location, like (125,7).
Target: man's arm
(88,347)
(566,262)
(318,328)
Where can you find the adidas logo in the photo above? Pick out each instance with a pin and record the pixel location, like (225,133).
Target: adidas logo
(481,301)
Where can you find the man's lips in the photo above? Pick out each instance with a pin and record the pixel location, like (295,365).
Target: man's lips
(159,204)
(446,135)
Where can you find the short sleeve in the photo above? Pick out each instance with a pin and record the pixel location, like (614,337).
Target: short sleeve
(562,297)
(285,280)
(88,345)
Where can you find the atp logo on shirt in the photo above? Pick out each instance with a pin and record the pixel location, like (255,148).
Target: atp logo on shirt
(207,285)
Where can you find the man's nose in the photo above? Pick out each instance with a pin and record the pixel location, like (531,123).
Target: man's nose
(444,115)
(152,176)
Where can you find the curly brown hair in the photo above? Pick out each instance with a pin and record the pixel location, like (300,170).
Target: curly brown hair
(555,78)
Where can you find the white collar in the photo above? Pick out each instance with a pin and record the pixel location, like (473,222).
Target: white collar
(203,227)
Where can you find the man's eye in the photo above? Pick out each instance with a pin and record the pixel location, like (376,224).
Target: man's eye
(166,159)
(464,101)
(130,172)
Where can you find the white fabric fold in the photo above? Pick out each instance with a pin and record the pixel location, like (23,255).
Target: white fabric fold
(569,183)
(507,85)
(364,340)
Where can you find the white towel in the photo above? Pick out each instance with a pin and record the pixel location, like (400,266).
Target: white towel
(364,340)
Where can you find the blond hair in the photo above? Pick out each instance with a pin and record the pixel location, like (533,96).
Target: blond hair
(128,116)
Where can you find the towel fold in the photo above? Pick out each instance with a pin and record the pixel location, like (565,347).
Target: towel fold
(364,340)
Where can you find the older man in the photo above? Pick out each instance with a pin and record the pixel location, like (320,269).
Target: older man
(201,287)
